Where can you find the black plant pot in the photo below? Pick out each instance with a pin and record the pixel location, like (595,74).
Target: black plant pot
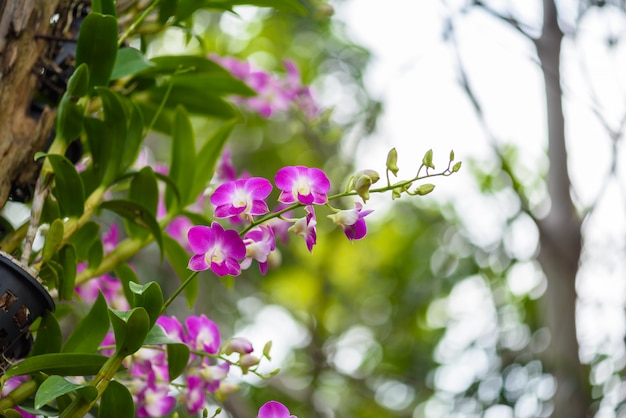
(22,300)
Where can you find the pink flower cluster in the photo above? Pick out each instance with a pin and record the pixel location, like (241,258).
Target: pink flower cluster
(272,94)
(226,252)
(155,396)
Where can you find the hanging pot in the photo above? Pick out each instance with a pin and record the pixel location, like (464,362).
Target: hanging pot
(22,300)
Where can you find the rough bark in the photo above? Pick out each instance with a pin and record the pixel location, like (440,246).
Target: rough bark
(560,238)
(21,48)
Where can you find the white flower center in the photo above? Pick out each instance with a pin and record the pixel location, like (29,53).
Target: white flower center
(303,187)
(240,198)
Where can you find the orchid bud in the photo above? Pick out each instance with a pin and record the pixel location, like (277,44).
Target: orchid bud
(238,345)
(392,161)
(246,361)
(266,350)
(456,167)
(362,182)
(424,189)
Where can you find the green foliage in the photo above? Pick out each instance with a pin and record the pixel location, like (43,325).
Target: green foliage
(130,329)
(97,45)
(68,189)
(56,386)
(116,401)
(90,330)
(63,364)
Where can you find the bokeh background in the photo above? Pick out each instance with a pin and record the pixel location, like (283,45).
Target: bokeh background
(501,294)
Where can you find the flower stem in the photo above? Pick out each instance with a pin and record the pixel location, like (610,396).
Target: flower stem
(184,284)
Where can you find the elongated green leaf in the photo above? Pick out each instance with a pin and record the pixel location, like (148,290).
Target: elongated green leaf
(69,120)
(129,61)
(138,214)
(170,64)
(106,7)
(50,273)
(55,386)
(99,146)
(179,259)
(115,117)
(182,166)
(68,186)
(148,296)
(116,402)
(54,237)
(126,275)
(12,413)
(208,156)
(194,100)
(130,329)
(144,191)
(67,257)
(218,84)
(96,254)
(177,352)
(97,47)
(65,364)
(84,238)
(78,84)
(49,338)
(91,330)
(134,135)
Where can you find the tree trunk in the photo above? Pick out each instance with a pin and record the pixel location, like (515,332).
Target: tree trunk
(560,239)
(21,51)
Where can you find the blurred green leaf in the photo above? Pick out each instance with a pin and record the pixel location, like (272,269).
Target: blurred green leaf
(127,276)
(66,364)
(49,274)
(177,352)
(182,165)
(106,7)
(49,338)
(179,259)
(129,61)
(84,238)
(67,258)
(69,119)
(138,214)
(78,83)
(97,46)
(134,135)
(113,148)
(187,7)
(91,330)
(217,84)
(116,401)
(145,192)
(95,254)
(130,329)
(55,386)
(148,296)
(68,186)
(54,238)
(208,156)
(171,64)
(195,101)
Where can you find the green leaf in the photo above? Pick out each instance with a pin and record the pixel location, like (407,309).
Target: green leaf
(134,135)
(208,156)
(69,119)
(194,100)
(91,330)
(116,401)
(138,214)
(216,83)
(54,238)
(106,7)
(182,165)
(95,254)
(49,338)
(179,259)
(127,276)
(55,386)
(144,190)
(68,186)
(129,61)
(11,413)
(97,46)
(67,257)
(130,329)
(177,352)
(115,117)
(50,273)
(99,146)
(78,84)
(66,364)
(148,296)
(167,9)
(84,238)
(170,64)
